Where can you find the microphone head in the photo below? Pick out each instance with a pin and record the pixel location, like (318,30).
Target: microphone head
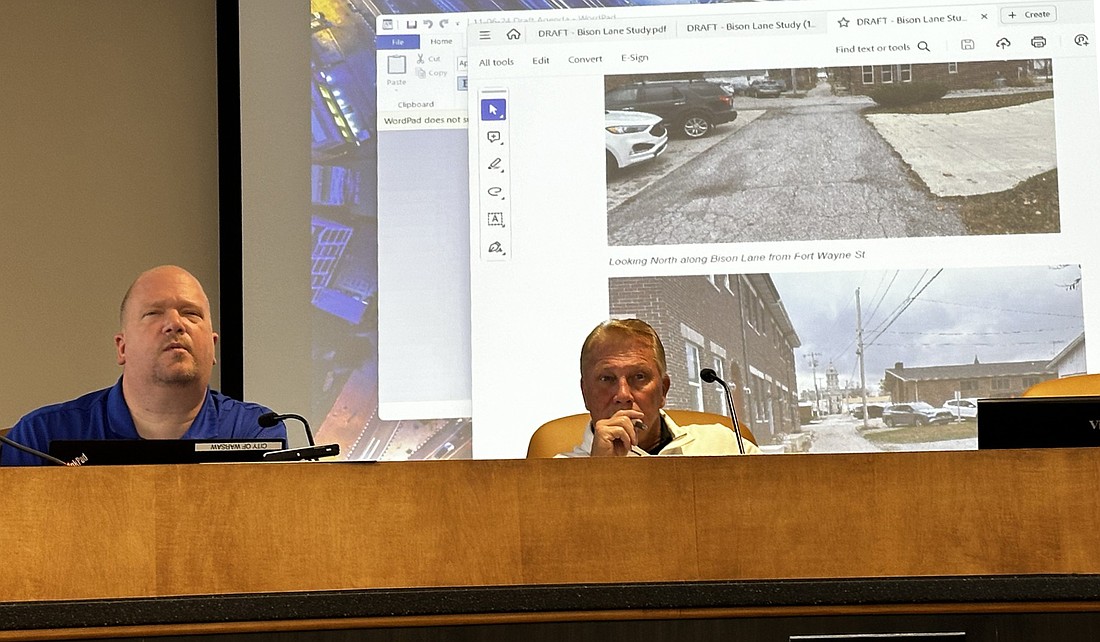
(268,420)
(708,375)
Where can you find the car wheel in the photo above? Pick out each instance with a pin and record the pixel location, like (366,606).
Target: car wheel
(889,422)
(695,126)
(922,421)
(612,164)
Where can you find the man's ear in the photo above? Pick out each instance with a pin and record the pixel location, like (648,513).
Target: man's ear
(120,349)
(214,335)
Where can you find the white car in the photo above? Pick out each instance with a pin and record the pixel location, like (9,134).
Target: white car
(632,137)
(966,408)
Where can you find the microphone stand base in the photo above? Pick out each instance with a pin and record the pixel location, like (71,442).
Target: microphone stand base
(309,453)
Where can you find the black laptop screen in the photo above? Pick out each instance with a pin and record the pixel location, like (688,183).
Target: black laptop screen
(1039,422)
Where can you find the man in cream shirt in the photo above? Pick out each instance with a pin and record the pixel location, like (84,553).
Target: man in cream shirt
(624,381)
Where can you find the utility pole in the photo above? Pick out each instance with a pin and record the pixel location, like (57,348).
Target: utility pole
(812,359)
(859,355)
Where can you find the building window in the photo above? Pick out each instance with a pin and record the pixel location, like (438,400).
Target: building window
(965,386)
(695,385)
(720,370)
(887,74)
(905,73)
(868,75)
(754,310)
(1031,381)
(952,67)
(1001,384)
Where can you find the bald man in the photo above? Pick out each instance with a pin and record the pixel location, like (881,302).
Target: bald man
(165,346)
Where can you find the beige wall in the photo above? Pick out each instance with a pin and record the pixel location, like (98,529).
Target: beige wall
(108,165)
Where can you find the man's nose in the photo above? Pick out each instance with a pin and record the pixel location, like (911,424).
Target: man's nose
(173,322)
(623,392)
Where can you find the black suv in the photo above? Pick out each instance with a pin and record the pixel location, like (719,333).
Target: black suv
(691,108)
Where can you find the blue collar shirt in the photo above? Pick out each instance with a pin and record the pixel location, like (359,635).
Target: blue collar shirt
(103,414)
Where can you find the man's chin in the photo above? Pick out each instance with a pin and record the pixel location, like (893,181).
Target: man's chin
(181,377)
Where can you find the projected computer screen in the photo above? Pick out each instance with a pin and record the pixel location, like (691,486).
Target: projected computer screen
(863,216)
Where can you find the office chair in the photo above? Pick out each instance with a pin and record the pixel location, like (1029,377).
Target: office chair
(562,434)
(1084,385)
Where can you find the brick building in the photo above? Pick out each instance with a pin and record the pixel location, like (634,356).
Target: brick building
(735,324)
(953,75)
(937,384)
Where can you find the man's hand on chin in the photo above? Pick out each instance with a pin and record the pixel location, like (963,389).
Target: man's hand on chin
(616,435)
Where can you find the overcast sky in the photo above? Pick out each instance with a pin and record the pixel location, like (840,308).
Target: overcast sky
(994,314)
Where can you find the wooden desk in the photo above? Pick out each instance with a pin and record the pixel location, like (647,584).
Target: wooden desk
(483,527)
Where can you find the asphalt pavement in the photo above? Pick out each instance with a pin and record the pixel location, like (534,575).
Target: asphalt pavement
(842,434)
(807,169)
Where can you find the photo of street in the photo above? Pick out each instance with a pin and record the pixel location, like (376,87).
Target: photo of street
(811,154)
(881,360)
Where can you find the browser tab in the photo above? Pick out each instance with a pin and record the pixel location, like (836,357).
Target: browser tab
(761,25)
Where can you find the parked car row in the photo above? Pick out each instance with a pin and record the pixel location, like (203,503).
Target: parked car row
(874,411)
(764,89)
(916,413)
(756,88)
(919,413)
(690,108)
(639,117)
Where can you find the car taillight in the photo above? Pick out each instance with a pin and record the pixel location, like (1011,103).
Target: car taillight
(725,100)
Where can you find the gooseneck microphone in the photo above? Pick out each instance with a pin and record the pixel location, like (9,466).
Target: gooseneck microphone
(272,419)
(310,452)
(710,376)
(37,453)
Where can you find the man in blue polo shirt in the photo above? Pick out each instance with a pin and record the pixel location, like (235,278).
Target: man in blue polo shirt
(166,349)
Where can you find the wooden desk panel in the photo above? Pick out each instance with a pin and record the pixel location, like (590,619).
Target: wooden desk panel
(900,514)
(259,528)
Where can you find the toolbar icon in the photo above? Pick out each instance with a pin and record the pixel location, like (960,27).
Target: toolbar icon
(494,109)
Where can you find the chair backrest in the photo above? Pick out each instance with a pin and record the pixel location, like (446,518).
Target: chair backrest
(562,434)
(1085,385)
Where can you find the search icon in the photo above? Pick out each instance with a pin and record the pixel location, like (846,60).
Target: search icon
(923,46)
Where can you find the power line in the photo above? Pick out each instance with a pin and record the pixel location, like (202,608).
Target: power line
(993,309)
(983,334)
(905,305)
